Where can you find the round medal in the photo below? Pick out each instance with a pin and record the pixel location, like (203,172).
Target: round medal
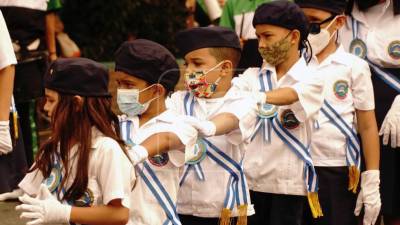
(199,152)
(358,48)
(267,111)
(159,160)
(394,50)
(54,180)
(85,200)
(289,120)
(341,89)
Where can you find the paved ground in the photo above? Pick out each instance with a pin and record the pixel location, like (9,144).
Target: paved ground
(8,215)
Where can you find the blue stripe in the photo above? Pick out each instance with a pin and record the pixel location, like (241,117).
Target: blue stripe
(269,79)
(225,156)
(185,175)
(380,71)
(222,164)
(160,186)
(260,77)
(341,129)
(185,101)
(339,118)
(291,146)
(292,137)
(156,195)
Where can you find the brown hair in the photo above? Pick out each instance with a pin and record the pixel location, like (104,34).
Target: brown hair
(72,124)
(224,53)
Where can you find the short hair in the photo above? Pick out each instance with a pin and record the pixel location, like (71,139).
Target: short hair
(224,53)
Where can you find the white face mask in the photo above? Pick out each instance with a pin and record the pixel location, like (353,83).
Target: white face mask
(319,41)
(128,102)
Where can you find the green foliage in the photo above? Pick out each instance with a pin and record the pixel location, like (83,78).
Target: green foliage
(100,26)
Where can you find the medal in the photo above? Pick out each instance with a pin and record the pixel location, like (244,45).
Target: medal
(54,180)
(394,50)
(198,152)
(289,120)
(159,160)
(266,111)
(358,48)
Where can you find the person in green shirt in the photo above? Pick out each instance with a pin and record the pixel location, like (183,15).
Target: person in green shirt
(238,15)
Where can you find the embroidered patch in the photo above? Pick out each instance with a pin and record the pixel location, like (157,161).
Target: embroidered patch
(358,48)
(394,50)
(267,111)
(85,200)
(341,88)
(289,120)
(54,180)
(199,152)
(159,160)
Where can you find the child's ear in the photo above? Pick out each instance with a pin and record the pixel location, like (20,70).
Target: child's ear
(226,68)
(295,37)
(158,89)
(340,21)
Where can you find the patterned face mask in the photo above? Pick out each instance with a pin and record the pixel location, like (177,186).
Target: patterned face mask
(197,84)
(277,52)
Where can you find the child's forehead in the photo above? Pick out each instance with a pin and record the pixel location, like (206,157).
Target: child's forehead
(122,76)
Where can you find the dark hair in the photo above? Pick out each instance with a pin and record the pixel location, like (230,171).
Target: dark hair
(72,124)
(224,53)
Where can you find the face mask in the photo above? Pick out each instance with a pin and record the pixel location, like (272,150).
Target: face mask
(319,41)
(276,53)
(128,102)
(197,84)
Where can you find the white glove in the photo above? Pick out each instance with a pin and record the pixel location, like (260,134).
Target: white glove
(204,127)
(391,125)
(138,154)
(5,138)
(15,194)
(369,196)
(44,211)
(260,97)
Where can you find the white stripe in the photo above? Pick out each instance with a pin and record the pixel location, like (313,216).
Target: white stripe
(345,127)
(386,76)
(159,191)
(296,145)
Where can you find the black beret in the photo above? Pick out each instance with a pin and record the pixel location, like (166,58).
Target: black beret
(282,14)
(78,76)
(148,61)
(206,37)
(332,6)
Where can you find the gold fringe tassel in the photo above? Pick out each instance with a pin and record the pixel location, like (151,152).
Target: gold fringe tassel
(354,178)
(15,118)
(315,207)
(225,218)
(242,218)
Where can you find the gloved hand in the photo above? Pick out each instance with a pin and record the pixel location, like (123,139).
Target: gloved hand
(204,127)
(5,138)
(391,125)
(15,194)
(48,210)
(138,154)
(369,196)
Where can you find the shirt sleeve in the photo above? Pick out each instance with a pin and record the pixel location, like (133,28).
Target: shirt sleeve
(7,56)
(115,174)
(362,89)
(310,94)
(31,182)
(245,110)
